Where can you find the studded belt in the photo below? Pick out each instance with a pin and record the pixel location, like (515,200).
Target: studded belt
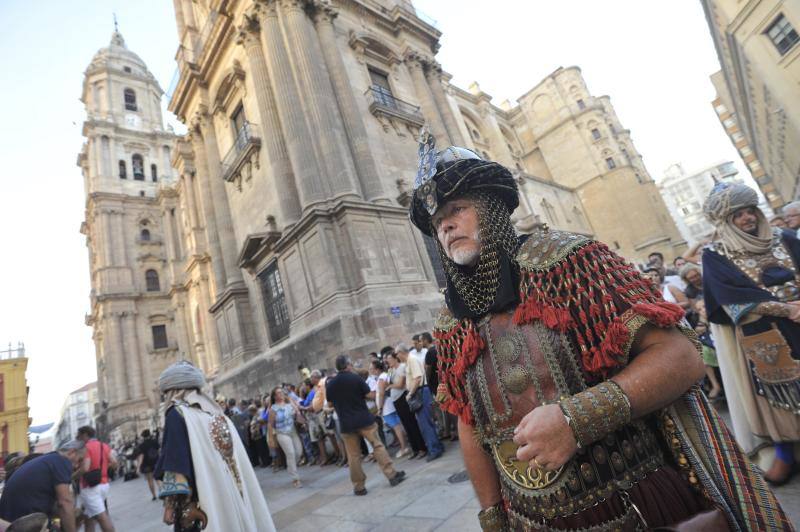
(594,474)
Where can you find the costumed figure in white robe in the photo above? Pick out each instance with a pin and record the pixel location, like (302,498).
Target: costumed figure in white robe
(206,480)
(751,286)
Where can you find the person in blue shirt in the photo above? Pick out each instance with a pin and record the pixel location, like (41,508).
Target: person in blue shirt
(41,483)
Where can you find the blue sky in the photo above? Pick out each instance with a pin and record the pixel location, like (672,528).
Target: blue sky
(652,58)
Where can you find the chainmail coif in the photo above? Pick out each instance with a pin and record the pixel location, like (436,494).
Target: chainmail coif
(478,285)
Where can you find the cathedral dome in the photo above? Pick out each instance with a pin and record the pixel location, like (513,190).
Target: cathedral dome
(117,54)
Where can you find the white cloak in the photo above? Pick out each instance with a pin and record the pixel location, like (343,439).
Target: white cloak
(228,509)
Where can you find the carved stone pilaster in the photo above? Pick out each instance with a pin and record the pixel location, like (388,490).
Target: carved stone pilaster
(416,64)
(366,168)
(319,102)
(249,37)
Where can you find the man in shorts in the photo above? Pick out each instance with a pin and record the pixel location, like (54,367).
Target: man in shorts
(93,498)
(147,455)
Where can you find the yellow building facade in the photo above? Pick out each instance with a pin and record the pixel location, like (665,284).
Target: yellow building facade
(14,412)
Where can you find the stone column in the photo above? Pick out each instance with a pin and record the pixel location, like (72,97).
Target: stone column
(177,240)
(133,354)
(93,153)
(415,65)
(184,344)
(278,157)
(353,123)
(108,246)
(188,14)
(191,205)
(121,245)
(434,75)
(222,210)
(209,215)
(213,351)
(166,224)
(178,6)
(295,131)
(118,360)
(498,140)
(319,101)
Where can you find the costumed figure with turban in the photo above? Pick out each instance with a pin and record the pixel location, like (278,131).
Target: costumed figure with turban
(752,295)
(573,381)
(206,480)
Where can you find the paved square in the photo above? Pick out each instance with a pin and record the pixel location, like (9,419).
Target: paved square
(425,501)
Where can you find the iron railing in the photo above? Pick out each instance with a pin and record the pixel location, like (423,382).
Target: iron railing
(246,138)
(381,97)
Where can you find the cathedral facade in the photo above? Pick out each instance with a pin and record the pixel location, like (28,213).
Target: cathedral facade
(280,234)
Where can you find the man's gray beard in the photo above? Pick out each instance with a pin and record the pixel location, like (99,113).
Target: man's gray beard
(464,257)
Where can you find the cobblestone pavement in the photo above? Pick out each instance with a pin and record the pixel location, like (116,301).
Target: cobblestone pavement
(425,501)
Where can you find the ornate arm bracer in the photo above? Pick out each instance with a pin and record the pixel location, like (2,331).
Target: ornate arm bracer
(493,518)
(596,411)
(174,484)
(773,308)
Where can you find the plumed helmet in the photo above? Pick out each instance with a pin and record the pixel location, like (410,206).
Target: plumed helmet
(451,173)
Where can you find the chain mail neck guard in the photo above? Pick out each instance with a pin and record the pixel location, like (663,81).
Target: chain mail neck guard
(478,286)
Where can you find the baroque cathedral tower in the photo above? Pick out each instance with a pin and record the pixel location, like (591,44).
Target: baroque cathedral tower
(125,163)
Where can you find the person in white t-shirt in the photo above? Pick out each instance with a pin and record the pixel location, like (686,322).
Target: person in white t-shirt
(418,351)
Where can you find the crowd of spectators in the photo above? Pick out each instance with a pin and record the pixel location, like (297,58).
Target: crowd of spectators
(298,424)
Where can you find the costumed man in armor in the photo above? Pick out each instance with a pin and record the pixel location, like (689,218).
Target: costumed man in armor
(750,286)
(206,480)
(573,381)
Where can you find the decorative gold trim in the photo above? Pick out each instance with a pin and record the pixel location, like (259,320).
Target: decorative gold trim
(522,473)
(545,247)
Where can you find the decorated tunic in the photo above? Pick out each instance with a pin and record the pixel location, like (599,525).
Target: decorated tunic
(734,284)
(579,311)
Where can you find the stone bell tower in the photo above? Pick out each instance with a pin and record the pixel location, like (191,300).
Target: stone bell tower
(125,161)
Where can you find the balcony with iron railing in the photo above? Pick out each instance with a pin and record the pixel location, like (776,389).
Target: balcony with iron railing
(382,102)
(245,148)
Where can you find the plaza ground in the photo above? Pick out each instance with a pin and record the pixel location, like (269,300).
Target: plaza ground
(425,501)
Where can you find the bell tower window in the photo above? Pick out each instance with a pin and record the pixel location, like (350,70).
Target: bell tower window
(123,174)
(151,281)
(137,164)
(130,100)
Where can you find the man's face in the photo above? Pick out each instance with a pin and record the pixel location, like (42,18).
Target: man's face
(76,457)
(680,262)
(655,260)
(780,222)
(417,343)
(456,225)
(402,355)
(694,277)
(792,219)
(746,220)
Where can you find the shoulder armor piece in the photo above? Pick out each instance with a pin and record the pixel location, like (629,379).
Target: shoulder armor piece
(445,320)
(545,247)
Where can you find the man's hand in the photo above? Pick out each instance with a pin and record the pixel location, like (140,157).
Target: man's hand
(794,311)
(169,514)
(545,438)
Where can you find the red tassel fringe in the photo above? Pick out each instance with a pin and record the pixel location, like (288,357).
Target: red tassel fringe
(585,294)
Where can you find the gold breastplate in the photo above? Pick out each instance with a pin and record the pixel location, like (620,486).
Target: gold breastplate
(527,366)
